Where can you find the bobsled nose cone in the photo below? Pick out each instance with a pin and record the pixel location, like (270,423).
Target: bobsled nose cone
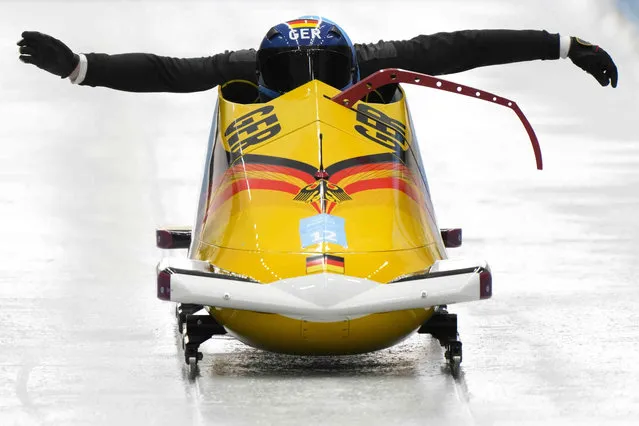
(324,289)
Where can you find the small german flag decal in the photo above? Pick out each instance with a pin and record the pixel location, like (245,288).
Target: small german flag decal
(324,263)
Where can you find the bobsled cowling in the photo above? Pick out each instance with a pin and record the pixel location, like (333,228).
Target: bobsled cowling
(319,217)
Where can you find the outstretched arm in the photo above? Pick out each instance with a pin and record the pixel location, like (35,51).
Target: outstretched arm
(143,72)
(136,72)
(447,53)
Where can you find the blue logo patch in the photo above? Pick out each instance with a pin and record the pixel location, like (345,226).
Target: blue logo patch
(322,228)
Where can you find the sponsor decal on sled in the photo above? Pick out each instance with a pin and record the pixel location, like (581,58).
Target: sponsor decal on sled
(381,129)
(252,128)
(322,228)
(324,263)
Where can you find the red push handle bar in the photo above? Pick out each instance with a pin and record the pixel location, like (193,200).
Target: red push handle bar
(356,92)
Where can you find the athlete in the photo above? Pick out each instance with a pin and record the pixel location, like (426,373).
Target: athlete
(295,52)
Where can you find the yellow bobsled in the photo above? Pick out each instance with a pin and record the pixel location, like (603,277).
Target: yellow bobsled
(315,232)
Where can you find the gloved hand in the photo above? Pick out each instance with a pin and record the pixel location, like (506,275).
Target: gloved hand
(594,60)
(47,53)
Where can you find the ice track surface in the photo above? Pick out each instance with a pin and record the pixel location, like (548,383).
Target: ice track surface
(87,174)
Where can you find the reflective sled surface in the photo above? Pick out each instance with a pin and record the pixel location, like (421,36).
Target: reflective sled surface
(315,232)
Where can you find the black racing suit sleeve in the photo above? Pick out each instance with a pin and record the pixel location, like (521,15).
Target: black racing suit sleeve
(441,53)
(448,53)
(144,72)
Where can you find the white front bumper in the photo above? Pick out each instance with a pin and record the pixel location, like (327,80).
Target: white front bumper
(324,296)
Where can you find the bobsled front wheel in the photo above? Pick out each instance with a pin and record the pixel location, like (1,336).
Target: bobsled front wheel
(192,364)
(191,355)
(453,357)
(442,325)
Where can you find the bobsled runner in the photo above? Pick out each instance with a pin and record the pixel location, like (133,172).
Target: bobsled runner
(315,232)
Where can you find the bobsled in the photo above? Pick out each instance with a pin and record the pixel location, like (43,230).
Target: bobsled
(315,232)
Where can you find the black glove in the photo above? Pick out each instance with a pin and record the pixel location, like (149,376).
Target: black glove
(594,60)
(47,53)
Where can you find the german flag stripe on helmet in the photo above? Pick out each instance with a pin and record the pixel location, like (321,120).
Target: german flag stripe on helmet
(303,23)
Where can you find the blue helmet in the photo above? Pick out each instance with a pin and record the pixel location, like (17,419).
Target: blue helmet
(304,49)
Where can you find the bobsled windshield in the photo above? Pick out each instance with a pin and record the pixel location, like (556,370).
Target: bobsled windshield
(285,69)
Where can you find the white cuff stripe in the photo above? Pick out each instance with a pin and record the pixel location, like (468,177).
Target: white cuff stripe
(564,46)
(84,65)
